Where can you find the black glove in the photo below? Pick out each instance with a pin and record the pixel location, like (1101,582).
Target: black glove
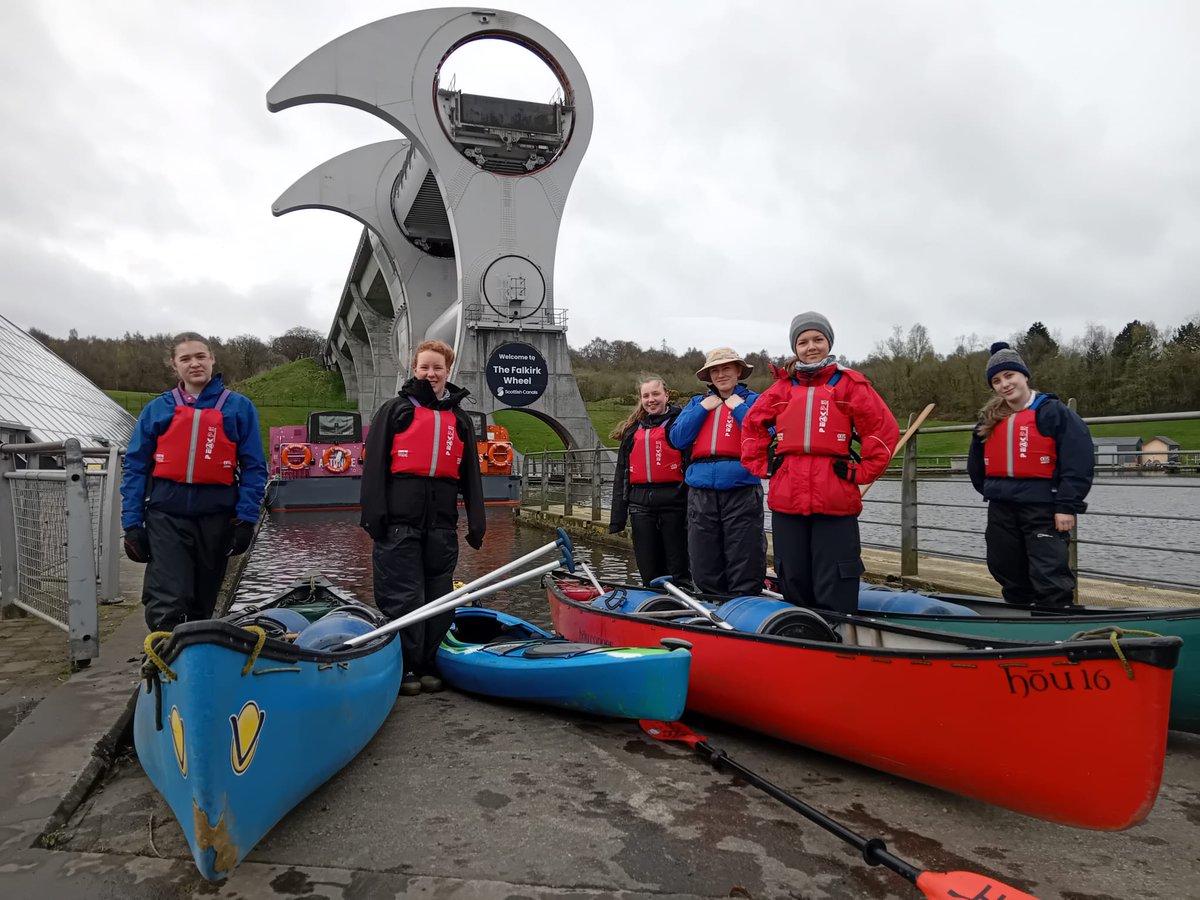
(243,534)
(137,544)
(616,527)
(847,471)
(475,539)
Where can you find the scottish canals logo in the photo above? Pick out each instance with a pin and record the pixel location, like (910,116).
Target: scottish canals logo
(517,374)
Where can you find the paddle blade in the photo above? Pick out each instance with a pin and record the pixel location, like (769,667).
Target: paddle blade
(670,731)
(967,886)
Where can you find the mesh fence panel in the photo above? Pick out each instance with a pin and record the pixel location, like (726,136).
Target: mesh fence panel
(40,513)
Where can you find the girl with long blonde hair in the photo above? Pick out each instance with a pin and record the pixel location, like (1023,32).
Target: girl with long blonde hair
(648,488)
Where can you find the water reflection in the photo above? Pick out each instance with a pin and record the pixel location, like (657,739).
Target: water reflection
(292,543)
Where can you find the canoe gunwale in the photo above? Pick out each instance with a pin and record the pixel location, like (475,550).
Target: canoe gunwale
(239,640)
(1160,652)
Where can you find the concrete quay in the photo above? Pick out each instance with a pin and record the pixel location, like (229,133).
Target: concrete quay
(459,797)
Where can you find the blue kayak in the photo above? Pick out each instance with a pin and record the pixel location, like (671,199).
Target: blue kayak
(241,718)
(498,655)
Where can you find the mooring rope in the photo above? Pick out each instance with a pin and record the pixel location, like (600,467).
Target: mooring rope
(1114,633)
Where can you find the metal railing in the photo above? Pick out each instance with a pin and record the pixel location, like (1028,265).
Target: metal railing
(569,478)
(480,315)
(909,526)
(580,482)
(60,535)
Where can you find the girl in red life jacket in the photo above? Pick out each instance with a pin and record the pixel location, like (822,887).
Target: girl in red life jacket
(814,409)
(649,488)
(1032,459)
(420,456)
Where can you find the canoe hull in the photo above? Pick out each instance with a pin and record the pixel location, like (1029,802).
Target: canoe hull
(1020,624)
(1035,729)
(628,682)
(233,753)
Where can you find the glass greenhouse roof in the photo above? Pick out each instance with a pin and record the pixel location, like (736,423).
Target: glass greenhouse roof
(41,392)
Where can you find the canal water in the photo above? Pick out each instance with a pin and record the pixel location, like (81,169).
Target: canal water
(291,543)
(1122,515)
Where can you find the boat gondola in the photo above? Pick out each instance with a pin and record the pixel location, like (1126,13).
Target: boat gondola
(243,717)
(1072,732)
(498,655)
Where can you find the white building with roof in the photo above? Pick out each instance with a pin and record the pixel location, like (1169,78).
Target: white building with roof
(43,399)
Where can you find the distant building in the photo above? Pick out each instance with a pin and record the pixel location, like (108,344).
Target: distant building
(44,399)
(1118,451)
(1160,451)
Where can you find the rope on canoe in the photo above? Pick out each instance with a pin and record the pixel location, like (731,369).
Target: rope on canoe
(1113,633)
(152,656)
(258,645)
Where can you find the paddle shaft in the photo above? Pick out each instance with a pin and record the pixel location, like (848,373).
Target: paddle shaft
(450,601)
(874,850)
(908,433)
(693,603)
(591,577)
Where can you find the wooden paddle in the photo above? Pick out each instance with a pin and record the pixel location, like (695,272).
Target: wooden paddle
(908,432)
(939,885)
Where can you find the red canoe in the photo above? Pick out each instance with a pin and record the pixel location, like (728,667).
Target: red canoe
(1072,732)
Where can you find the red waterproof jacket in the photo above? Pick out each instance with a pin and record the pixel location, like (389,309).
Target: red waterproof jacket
(805,483)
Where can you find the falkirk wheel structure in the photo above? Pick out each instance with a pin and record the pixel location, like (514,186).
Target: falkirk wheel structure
(461,216)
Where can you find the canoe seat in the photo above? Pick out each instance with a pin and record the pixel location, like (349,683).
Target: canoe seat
(551,649)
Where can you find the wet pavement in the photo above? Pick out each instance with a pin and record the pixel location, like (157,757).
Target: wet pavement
(461,797)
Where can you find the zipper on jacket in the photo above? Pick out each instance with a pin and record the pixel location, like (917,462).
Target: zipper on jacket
(808,409)
(191,463)
(437,440)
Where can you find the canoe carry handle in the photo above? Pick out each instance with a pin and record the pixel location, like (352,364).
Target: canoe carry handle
(666,584)
(675,643)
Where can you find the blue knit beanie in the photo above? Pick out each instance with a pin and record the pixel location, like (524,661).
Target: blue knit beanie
(1005,359)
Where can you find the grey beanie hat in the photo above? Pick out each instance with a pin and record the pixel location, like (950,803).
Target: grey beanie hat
(810,321)
(1005,359)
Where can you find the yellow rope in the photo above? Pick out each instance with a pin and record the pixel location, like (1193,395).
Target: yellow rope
(262,639)
(148,645)
(1113,633)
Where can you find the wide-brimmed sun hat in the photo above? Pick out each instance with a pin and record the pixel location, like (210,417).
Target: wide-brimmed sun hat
(720,356)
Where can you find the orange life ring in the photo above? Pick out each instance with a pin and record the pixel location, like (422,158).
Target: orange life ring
(336,459)
(499,454)
(295,456)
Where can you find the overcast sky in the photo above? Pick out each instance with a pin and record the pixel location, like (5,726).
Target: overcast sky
(971,166)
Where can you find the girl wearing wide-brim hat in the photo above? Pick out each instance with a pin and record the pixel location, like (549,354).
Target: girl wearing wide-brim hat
(817,408)
(1032,459)
(727,546)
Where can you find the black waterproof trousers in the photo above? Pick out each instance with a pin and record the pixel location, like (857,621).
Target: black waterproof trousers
(660,542)
(727,546)
(413,566)
(188,558)
(818,560)
(1027,556)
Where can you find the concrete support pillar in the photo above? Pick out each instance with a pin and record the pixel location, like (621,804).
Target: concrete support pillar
(384,366)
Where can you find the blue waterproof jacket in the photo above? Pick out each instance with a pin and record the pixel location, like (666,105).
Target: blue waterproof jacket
(141,490)
(1068,488)
(714,474)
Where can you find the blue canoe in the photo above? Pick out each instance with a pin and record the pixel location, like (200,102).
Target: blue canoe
(497,655)
(241,718)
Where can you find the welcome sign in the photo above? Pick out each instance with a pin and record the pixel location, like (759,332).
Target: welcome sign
(517,374)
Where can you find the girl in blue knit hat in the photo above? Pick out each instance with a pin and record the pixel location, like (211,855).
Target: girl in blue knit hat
(1032,459)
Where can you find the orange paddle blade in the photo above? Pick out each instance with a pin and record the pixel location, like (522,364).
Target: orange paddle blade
(967,886)
(670,731)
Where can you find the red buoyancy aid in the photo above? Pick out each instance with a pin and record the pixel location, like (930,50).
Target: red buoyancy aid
(653,460)
(1016,449)
(430,446)
(195,449)
(720,436)
(815,420)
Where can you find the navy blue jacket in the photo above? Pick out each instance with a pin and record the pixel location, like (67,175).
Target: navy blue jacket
(714,474)
(141,490)
(1072,478)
